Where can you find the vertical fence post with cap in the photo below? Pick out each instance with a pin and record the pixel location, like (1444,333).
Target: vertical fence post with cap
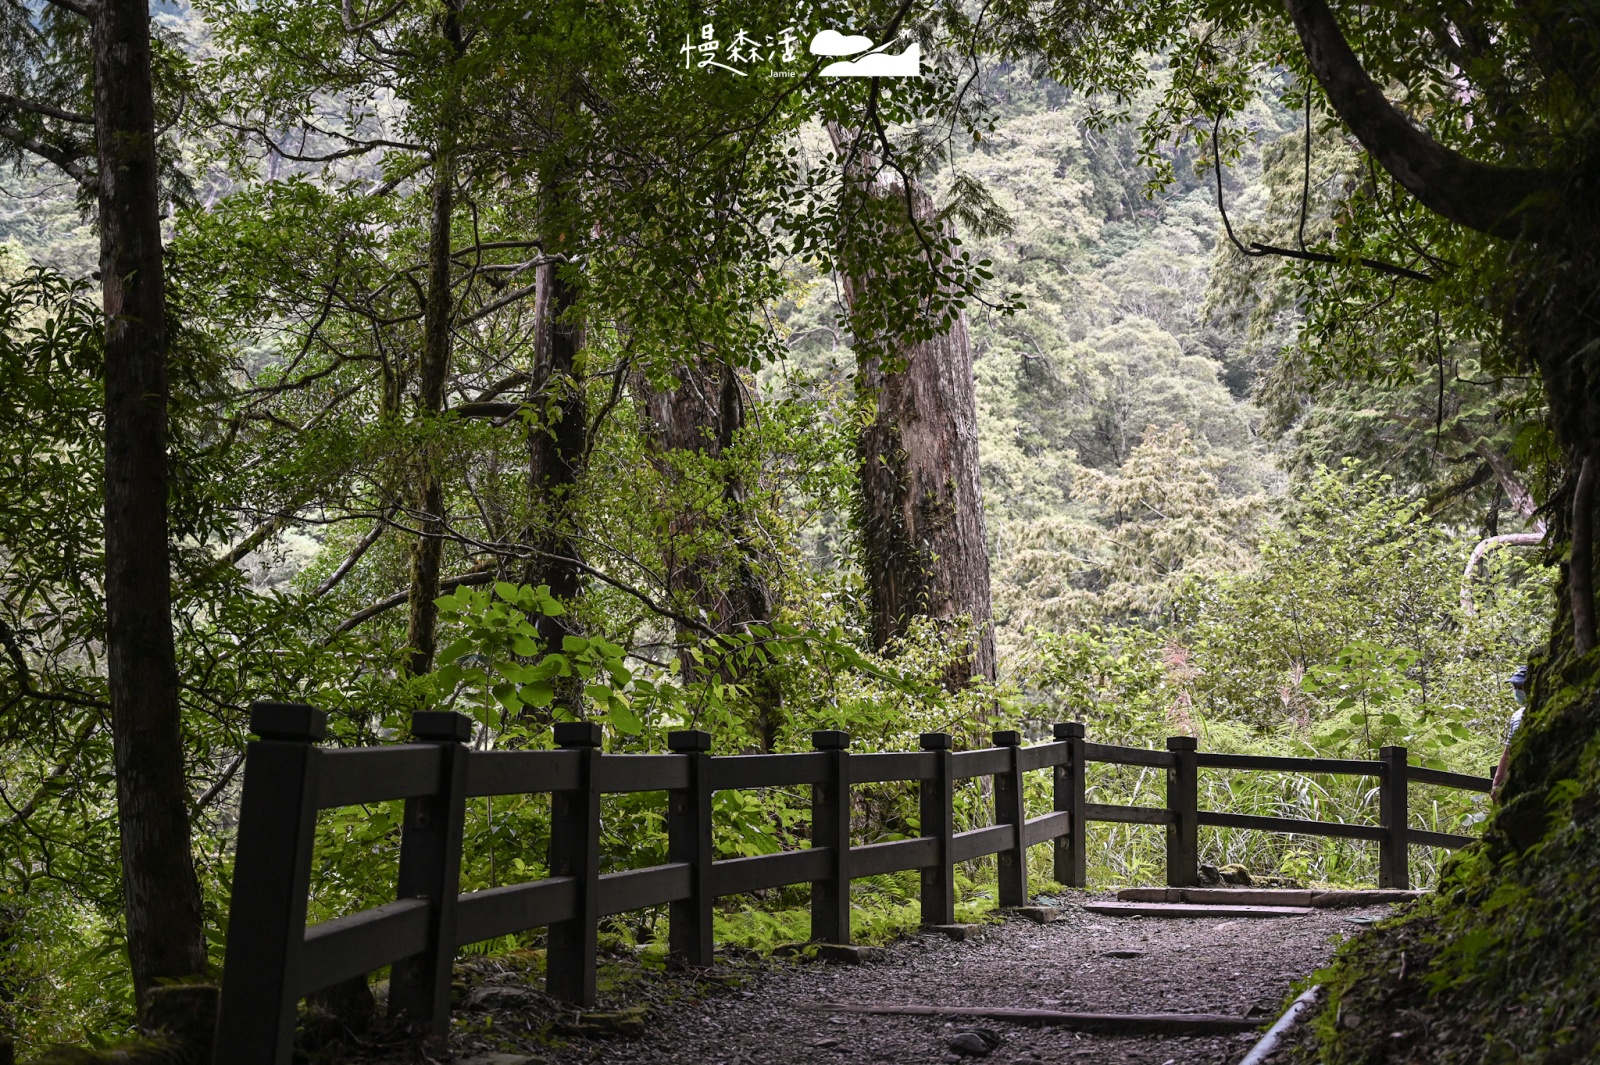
(1394,852)
(1010,809)
(689,841)
(575,852)
(1183,803)
(430,868)
(271,878)
(1071,850)
(936,808)
(830,827)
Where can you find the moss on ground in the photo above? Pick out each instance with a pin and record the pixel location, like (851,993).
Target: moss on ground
(1503,963)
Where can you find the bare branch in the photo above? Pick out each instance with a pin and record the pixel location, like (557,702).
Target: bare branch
(1503,201)
(33,107)
(67,157)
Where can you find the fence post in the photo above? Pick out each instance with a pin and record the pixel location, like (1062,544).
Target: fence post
(1183,802)
(830,827)
(271,878)
(1394,853)
(936,807)
(1071,849)
(430,868)
(1009,809)
(689,841)
(575,852)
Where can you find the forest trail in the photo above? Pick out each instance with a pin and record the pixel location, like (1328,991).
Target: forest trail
(755,1013)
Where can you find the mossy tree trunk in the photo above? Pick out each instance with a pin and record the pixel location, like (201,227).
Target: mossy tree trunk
(920,500)
(702,415)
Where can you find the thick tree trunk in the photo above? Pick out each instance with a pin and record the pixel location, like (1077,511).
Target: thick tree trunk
(160,891)
(432,369)
(921,501)
(556,441)
(702,415)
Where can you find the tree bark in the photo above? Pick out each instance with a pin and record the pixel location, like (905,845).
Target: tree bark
(921,501)
(556,437)
(160,891)
(432,369)
(1503,201)
(703,414)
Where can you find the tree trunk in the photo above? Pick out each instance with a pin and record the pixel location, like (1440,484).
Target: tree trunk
(432,369)
(556,438)
(921,502)
(703,415)
(160,891)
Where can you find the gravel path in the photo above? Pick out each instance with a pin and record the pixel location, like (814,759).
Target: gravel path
(744,1013)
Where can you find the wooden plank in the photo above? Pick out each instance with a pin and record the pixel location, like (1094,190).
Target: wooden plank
(354,775)
(1128,815)
(980,841)
(349,946)
(891,857)
(1045,756)
(1423,838)
(767,770)
(898,765)
(1327,900)
(642,772)
(1046,827)
(982,763)
(1104,1023)
(514,908)
(1421,775)
(654,885)
(1292,825)
(736,876)
(1150,894)
(1287,764)
(1185,909)
(520,772)
(1105,752)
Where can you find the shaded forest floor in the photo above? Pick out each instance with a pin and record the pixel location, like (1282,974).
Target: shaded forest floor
(747,1011)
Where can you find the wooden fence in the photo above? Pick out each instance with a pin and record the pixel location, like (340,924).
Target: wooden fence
(273,960)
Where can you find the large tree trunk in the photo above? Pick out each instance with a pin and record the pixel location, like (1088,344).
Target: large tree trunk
(160,890)
(921,501)
(432,369)
(556,437)
(702,415)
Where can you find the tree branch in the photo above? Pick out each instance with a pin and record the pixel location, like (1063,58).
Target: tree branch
(1580,570)
(482,575)
(13,648)
(1483,548)
(67,158)
(32,107)
(1490,199)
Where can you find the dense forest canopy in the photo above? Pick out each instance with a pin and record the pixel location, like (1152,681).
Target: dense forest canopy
(1204,368)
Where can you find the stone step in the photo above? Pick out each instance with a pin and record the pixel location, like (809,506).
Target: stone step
(1182,909)
(1268,896)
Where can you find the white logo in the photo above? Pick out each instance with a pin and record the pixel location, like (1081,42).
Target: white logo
(876,63)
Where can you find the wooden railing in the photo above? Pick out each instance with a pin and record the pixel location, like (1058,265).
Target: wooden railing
(273,960)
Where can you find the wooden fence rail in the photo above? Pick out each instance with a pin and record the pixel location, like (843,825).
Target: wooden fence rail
(273,959)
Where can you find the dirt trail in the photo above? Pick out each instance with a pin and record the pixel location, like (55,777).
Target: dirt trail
(1081,962)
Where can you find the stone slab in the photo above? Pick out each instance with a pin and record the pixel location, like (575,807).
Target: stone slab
(961,933)
(1036,914)
(848,954)
(1181,909)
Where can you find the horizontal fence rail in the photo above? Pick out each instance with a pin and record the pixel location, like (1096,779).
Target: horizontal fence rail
(273,959)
